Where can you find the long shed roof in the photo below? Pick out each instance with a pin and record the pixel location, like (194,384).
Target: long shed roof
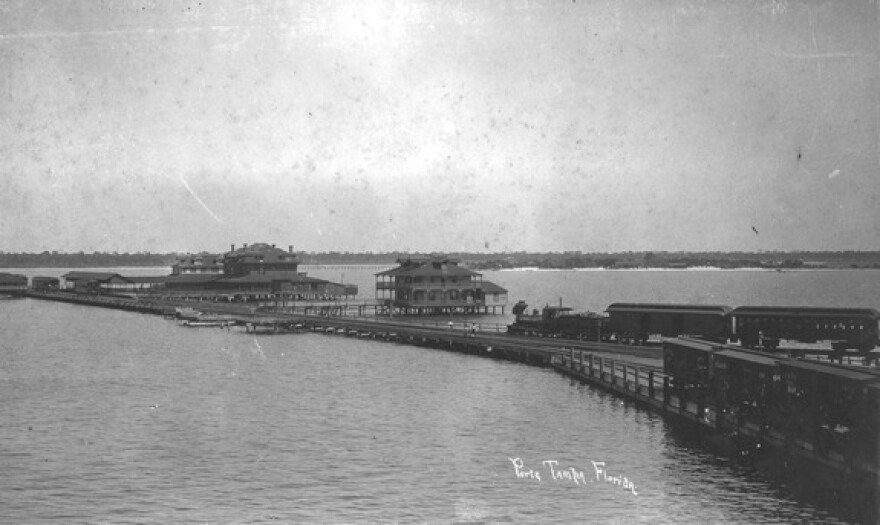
(91,276)
(804,311)
(863,375)
(12,278)
(669,308)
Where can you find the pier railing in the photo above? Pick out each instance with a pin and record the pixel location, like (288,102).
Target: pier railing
(459,326)
(829,445)
(645,384)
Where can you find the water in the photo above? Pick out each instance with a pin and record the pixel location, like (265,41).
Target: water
(111,416)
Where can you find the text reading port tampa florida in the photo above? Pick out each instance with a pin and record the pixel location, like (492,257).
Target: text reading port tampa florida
(553,471)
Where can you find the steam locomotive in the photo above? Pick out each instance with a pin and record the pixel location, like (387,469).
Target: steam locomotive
(753,326)
(559,321)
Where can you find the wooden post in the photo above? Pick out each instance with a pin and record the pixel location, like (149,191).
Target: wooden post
(666,390)
(571,357)
(651,384)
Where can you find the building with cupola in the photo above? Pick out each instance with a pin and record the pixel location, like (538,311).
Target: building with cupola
(258,272)
(261,259)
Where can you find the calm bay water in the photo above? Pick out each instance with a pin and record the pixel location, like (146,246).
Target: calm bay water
(112,416)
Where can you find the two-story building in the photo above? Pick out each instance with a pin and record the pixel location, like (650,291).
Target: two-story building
(256,272)
(436,285)
(199,263)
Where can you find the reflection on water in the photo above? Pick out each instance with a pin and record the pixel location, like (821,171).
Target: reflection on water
(115,416)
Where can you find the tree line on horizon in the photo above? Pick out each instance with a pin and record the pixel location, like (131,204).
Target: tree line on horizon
(489,261)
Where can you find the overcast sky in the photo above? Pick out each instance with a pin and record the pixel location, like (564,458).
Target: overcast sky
(439,126)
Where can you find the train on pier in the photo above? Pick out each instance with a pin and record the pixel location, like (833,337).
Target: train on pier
(790,409)
(762,327)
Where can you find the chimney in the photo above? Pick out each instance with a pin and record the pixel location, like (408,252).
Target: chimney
(273,244)
(232,247)
(289,248)
(244,245)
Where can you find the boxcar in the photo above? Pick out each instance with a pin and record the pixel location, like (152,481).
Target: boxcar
(844,327)
(637,321)
(745,383)
(689,365)
(828,408)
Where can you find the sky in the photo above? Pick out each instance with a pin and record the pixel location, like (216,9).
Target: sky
(433,125)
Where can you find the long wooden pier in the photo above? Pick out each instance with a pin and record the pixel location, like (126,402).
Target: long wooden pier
(633,373)
(486,339)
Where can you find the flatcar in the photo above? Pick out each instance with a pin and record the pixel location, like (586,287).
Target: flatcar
(636,322)
(558,321)
(844,328)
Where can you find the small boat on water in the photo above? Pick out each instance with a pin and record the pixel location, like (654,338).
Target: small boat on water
(193,317)
(188,322)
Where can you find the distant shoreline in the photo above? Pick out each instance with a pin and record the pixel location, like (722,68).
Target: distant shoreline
(517,261)
(521,269)
(689,269)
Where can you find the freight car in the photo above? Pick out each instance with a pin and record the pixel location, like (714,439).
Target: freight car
(753,326)
(826,408)
(843,328)
(772,404)
(635,322)
(822,404)
(559,321)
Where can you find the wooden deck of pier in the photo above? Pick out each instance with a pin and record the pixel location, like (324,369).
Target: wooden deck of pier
(485,339)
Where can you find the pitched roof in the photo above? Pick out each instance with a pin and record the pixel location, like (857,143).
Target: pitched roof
(12,278)
(805,311)
(147,279)
(193,278)
(840,371)
(752,357)
(268,278)
(490,287)
(428,266)
(91,276)
(253,278)
(200,259)
(261,249)
(659,308)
